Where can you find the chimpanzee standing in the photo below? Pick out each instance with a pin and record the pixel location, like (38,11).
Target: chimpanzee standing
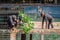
(48,18)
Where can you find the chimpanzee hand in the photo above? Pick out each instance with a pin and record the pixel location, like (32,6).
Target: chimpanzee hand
(13,25)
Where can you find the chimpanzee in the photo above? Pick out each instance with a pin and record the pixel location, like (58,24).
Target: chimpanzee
(46,17)
(12,21)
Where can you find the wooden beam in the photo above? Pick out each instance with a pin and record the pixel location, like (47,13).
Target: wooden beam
(23,36)
(42,31)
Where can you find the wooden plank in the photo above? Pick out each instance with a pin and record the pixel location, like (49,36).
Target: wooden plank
(41,31)
(38,31)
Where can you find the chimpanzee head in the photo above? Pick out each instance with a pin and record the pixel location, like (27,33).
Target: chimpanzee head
(14,16)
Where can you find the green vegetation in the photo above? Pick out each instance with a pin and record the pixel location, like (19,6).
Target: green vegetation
(27,23)
(52,36)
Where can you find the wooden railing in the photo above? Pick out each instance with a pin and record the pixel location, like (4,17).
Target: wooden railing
(20,35)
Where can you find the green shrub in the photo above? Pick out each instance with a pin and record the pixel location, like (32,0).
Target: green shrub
(27,23)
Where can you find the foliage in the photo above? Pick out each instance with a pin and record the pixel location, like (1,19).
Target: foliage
(27,23)
(52,36)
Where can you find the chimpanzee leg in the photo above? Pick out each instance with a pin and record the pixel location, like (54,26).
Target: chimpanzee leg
(48,25)
(51,25)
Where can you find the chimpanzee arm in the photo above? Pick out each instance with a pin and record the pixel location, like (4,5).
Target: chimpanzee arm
(10,22)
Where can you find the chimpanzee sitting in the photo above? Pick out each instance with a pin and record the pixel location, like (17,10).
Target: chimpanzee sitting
(12,21)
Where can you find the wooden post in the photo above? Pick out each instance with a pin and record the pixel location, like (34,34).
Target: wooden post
(42,36)
(30,36)
(13,36)
(23,36)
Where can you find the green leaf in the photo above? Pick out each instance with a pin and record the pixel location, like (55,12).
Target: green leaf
(27,23)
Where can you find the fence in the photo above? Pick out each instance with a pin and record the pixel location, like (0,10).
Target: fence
(5,35)
(32,10)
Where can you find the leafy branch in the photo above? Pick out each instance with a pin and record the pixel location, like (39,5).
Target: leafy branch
(27,23)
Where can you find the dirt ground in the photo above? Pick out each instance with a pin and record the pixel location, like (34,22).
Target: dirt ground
(37,25)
